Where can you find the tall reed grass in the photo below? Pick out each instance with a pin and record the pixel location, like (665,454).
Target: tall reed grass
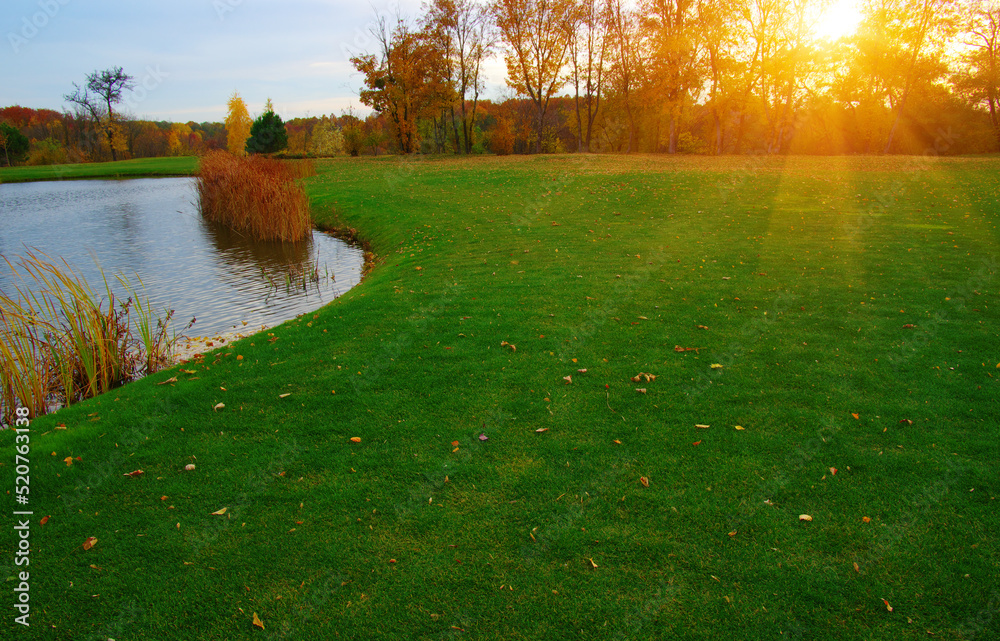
(61,343)
(255,195)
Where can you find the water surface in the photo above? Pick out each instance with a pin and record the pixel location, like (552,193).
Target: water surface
(152,227)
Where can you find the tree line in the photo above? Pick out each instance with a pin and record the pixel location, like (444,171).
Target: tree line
(696,76)
(653,76)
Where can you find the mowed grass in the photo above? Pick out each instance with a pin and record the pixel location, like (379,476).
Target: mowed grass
(852,305)
(138,168)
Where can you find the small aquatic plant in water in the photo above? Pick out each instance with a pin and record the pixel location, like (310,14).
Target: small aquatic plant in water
(60,342)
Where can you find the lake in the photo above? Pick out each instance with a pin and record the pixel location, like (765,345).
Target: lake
(152,228)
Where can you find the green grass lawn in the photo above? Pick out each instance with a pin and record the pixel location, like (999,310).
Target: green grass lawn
(852,304)
(139,168)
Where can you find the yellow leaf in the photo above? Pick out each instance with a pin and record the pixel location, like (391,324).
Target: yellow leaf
(219,512)
(284,395)
(68,460)
(592,564)
(740,427)
(701,426)
(644,481)
(716,366)
(257,622)
(805,517)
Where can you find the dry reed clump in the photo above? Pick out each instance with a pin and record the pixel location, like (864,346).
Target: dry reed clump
(255,195)
(60,344)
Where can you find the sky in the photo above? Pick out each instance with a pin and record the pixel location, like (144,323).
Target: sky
(188,56)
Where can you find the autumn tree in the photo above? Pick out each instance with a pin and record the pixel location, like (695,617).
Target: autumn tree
(238,123)
(588,51)
(536,35)
(104,90)
(626,60)
(463,33)
(899,48)
(406,80)
(327,139)
(979,79)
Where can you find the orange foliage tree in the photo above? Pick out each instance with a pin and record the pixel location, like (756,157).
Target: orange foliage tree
(406,81)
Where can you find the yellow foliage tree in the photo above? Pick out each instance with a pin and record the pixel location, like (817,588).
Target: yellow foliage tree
(238,124)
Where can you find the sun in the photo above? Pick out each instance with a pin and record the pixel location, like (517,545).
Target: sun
(840,19)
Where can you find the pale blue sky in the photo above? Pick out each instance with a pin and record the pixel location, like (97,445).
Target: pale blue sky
(188,56)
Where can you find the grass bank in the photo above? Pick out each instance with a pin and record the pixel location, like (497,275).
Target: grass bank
(411,461)
(142,167)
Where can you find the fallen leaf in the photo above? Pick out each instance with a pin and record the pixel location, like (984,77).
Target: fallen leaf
(733,533)
(239,357)
(568,379)
(45,519)
(454,443)
(740,427)
(189,467)
(833,471)
(542,429)
(644,481)
(355,439)
(581,371)
(188,371)
(855,415)
(703,427)
(172,379)
(641,390)
(716,366)
(218,407)
(284,395)
(256,620)
(592,564)
(702,327)
(805,517)
(887,606)
(643,318)
(906,421)
(134,473)
(90,542)
(909,326)
(866,519)
(616,442)
(856,567)
(219,512)
(696,443)
(483,437)
(68,460)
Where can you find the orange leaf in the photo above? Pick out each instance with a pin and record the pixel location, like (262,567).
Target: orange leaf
(854,414)
(90,542)
(696,443)
(257,622)
(134,473)
(68,460)
(355,439)
(866,519)
(45,519)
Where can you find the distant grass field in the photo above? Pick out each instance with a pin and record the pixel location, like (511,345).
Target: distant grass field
(823,334)
(142,167)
